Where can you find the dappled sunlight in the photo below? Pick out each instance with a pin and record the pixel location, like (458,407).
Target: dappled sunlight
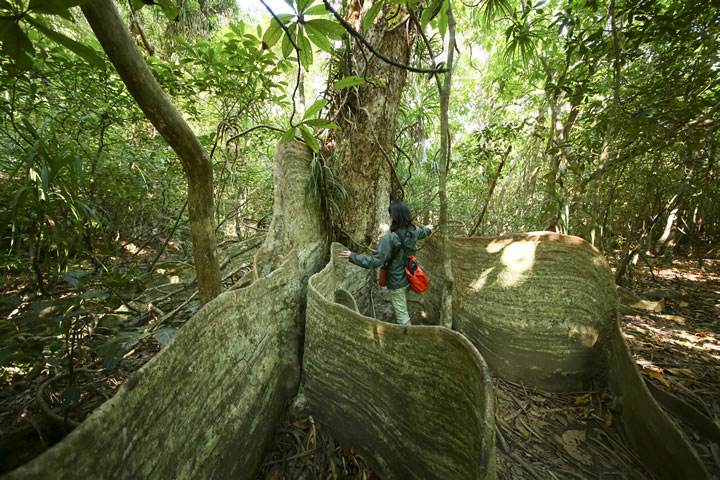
(384,228)
(702,344)
(518,258)
(498,244)
(478,284)
(599,261)
(377,331)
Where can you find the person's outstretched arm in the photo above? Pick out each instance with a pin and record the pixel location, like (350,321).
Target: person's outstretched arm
(376,259)
(425,230)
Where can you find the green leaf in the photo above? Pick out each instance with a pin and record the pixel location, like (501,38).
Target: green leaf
(83,51)
(306,53)
(73,280)
(309,138)
(321,123)
(165,335)
(111,353)
(302,5)
(371,15)
(329,28)
(289,135)
(169,8)
(137,5)
(425,17)
(287,46)
(316,10)
(272,34)
(44,181)
(56,7)
(318,38)
(55,4)
(11,302)
(351,81)
(15,44)
(443,19)
(315,108)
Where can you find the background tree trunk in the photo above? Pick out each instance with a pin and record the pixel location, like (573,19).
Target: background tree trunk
(115,39)
(446,315)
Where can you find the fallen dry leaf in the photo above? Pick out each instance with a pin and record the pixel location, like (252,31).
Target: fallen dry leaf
(582,400)
(657,375)
(572,440)
(608,419)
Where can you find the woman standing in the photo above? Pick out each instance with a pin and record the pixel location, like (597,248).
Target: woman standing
(393,251)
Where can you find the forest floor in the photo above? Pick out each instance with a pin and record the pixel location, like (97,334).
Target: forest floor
(543,435)
(539,435)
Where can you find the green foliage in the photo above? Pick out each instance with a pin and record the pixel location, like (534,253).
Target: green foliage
(303,31)
(611,115)
(44,207)
(351,81)
(17,44)
(628,88)
(307,122)
(324,188)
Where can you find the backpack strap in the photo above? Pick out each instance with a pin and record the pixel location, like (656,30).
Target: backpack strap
(393,252)
(402,241)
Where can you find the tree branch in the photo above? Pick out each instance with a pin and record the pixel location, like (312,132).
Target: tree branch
(354,33)
(245,132)
(492,189)
(297,51)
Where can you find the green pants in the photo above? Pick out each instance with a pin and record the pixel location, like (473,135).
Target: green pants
(398,297)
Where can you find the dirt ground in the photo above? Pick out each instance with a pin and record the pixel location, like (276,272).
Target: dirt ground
(539,435)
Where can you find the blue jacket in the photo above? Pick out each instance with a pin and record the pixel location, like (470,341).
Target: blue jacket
(391,251)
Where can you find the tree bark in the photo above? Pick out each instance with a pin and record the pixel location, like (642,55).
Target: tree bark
(115,39)
(367,116)
(446,315)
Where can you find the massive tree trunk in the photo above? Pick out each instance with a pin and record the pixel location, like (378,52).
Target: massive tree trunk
(115,39)
(541,308)
(367,116)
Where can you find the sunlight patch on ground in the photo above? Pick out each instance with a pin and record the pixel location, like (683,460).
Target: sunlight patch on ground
(678,337)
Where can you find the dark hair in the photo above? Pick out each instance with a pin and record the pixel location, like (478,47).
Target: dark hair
(400,214)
